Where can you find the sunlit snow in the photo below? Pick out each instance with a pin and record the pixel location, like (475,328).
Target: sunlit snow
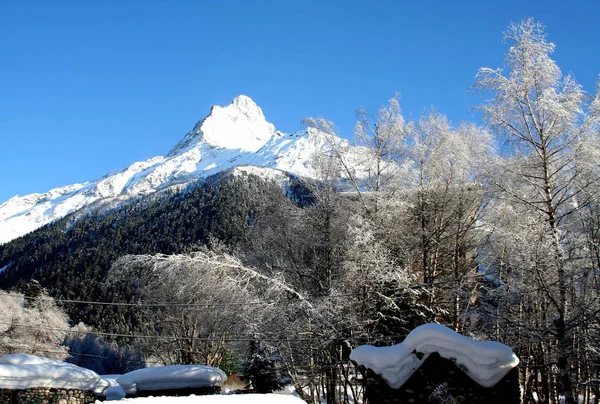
(485,362)
(229,399)
(20,371)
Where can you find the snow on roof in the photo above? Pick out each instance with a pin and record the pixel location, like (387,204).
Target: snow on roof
(171,377)
(223,399)
(21,371)
(114,390)
(485,362)
(114,393)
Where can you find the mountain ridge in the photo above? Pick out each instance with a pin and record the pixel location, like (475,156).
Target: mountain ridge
(234,135)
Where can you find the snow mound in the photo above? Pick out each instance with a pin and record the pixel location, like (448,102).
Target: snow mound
(485,362)
(21,371)
(171,377)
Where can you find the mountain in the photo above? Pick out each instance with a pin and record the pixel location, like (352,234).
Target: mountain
(71,257)
(236,135)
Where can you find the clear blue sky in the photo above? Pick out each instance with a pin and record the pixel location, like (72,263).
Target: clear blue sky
(88,87)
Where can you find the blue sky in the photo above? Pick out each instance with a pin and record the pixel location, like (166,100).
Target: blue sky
(88,87)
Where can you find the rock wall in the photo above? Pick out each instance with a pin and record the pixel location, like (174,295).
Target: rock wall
(46,395)
(439,380)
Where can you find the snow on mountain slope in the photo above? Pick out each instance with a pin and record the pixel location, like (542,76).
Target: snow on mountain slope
(231,136)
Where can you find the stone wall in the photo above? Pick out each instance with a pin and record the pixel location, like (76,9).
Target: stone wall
(439,380)
(46,395)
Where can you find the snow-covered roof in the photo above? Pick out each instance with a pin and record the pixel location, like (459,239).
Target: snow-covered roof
(171,377)
(485,362)
(114,391)
(21,371)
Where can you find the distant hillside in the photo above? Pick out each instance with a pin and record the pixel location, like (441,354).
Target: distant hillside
(71,257)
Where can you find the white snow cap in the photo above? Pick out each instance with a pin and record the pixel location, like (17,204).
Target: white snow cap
(484,362)
(21,371)
(241,125)
(171,377)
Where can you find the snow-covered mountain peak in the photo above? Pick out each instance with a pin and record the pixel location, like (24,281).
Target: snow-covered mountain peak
(246,105)
(236,135)
(240,125)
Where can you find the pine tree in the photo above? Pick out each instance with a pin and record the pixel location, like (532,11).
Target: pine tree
(261,370)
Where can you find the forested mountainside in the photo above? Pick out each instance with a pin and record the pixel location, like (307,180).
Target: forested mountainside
(71,257)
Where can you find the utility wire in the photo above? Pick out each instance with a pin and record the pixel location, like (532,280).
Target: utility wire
(204,339)
(319,366)
(169,304)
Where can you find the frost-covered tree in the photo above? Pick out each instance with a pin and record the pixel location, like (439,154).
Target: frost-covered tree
(323,226)
(383,302)
(199,302)
(440,227)
(88,350)
(383,141)
(375,165)
(35,326)
(551,126)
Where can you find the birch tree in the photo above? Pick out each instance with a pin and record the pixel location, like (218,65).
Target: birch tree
(439,227)
(548,121)
(374,165)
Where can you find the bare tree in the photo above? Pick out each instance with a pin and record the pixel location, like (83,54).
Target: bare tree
(445,201)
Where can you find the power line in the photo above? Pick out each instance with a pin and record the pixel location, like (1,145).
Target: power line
(317,366)
(244,338)
(171,304)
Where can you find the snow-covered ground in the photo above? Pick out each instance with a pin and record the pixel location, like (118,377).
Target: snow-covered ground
(223,399)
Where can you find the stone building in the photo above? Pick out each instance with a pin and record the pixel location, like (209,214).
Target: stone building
(436,365)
